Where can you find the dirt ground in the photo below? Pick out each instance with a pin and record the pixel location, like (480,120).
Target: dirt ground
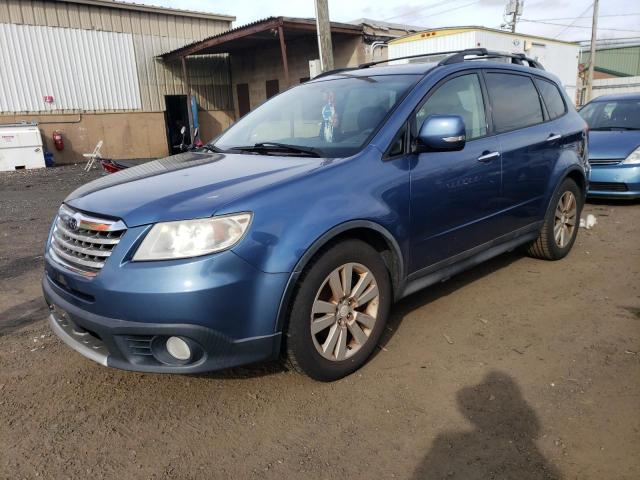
(518,369)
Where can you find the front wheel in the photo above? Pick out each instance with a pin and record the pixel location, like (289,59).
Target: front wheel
(339,311)
(561,223)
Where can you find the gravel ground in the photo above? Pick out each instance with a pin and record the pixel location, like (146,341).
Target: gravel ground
(517,369)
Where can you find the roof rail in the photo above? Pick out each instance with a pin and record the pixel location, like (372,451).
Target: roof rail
(454,56)
(334,71)
(483,53)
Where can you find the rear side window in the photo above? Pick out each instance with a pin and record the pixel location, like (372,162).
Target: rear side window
(552,98)
(514,100)
(459,96)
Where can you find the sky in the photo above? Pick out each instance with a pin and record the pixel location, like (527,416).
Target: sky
(572,18)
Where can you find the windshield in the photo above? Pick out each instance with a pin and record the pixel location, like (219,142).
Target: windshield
(334,118)
(613,115)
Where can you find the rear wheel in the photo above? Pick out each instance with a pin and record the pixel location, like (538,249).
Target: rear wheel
(339,311)
(561,223)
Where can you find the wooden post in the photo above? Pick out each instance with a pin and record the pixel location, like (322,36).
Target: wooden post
(592,55)
(187,86)
(283,51)
(323,25)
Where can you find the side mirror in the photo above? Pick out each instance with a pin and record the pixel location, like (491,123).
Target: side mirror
(441,133)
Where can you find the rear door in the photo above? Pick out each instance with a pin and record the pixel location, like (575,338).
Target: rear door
(529,143)
(454,194)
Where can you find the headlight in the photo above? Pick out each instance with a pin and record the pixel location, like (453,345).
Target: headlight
(192,238)
(634,157)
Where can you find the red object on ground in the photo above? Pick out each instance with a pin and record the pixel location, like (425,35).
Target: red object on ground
(111,167)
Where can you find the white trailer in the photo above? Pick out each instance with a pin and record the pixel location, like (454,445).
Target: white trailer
(20,147)
(559,58)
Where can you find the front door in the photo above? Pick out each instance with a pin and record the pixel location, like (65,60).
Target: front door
(454,195)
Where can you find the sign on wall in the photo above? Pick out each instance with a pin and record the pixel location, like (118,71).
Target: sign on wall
(55,69)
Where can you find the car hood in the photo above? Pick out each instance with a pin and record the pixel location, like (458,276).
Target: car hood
(188,185)
(613,144)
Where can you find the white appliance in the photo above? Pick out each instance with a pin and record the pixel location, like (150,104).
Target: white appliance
(20,147)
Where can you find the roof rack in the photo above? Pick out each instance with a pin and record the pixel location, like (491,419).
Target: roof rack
(453,56)
(483,53)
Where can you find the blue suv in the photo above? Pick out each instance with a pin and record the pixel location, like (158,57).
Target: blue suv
(293,232)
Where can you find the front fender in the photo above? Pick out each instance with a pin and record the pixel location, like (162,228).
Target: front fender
(290,218)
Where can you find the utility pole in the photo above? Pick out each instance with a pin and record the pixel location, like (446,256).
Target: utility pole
(323,25)
(514,17)
(512,12)
(592,54)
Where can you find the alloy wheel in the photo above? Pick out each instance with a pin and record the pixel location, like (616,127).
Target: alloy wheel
(344,311)
(565,219)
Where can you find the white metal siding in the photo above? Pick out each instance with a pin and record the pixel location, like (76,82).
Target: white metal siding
(84,70)
(153,34)
(445,43)
(608,86)
(558,58)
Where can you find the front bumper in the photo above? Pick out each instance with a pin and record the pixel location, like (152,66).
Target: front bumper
(224,307)
(130,345)
(614,181)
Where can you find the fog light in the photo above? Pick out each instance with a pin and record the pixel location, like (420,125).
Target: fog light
(178,348)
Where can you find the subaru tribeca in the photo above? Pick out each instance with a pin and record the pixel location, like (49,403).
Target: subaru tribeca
(294,231)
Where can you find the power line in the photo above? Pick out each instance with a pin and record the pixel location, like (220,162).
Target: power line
(411,12)
(573,18)
(439,4)
(577,26)
(574,21)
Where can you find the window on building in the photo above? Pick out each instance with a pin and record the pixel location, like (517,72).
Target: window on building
(514,100)
(458,96)
(552,98)
(273,87)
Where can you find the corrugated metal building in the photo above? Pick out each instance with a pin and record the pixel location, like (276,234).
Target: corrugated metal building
(89,69)
(613,58)
(617,67)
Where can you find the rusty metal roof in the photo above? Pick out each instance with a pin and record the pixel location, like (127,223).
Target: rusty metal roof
(239,37)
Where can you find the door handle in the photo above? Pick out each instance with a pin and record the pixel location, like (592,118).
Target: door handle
(487,157)
(553,138)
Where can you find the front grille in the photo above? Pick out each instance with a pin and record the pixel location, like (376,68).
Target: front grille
(605,161)
(608,187)
(83,243)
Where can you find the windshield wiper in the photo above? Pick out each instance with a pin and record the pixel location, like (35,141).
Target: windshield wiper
(211,148)
(275,147)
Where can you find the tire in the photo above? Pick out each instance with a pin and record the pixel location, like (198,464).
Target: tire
(323,355)
(550,244)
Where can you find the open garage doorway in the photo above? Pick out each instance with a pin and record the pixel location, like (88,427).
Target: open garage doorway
(176,117)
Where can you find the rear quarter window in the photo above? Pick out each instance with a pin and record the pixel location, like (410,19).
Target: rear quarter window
(514,100)
(552,98)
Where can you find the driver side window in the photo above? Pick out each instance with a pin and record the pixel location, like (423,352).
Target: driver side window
(459,96)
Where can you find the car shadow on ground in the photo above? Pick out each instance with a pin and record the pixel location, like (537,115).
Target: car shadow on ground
(423,297)
(501,442)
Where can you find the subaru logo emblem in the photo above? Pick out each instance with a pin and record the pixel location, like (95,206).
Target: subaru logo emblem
(72,223)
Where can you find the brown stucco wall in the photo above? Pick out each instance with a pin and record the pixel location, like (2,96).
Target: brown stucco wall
(262,64)
(125,135)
